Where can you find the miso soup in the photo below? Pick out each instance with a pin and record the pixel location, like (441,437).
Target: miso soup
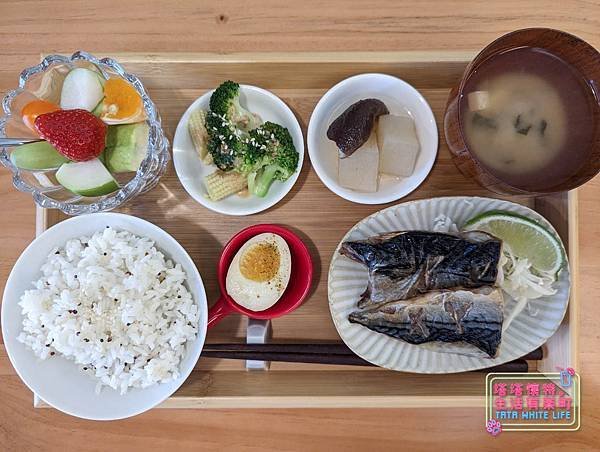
(526,118)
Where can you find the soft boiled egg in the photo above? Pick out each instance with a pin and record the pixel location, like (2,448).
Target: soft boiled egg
(259,272)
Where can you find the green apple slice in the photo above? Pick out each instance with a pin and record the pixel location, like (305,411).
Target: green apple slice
(126,147)
(97,111)
(38,156)
(90,178)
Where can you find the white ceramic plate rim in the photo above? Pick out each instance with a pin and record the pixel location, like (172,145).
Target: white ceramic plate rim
(202,307)
(268,201)
(318,115)
(475,363)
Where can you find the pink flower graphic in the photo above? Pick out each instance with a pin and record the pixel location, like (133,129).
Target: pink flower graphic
(571,371)
(493,427)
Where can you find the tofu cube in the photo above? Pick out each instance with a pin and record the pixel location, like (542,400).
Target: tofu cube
(398,145)
(360,171)
(478,100)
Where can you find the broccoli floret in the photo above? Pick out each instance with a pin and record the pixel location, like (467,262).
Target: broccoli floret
(224,144)
(269,155)
(225,102)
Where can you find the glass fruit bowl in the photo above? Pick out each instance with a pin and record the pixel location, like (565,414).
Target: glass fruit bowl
(44,81)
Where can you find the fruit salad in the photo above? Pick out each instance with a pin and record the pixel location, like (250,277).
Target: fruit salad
(93,129)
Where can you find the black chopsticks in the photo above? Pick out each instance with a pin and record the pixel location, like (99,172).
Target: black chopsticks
(325,353)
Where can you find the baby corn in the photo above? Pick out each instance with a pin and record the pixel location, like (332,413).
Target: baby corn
(219,185)
(199,134)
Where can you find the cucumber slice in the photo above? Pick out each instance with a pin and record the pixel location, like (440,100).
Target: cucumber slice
(81,89)
(37,156)
(89,178)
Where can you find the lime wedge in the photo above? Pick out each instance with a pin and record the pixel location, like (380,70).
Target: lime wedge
(524,237)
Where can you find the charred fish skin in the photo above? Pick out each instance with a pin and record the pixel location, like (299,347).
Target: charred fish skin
(446,316)
(405,264)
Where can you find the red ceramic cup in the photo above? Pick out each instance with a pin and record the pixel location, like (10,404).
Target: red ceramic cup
(295,292)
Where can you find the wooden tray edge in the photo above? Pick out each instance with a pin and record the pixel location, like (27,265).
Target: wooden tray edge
(256,402)
(407,56)
(573,251)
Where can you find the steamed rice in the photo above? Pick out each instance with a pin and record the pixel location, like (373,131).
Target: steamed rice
(113,304)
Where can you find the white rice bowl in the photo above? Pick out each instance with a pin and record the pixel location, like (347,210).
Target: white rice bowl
(139,348)
(113,304)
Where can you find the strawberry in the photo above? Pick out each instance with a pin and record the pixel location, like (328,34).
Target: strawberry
(76,134)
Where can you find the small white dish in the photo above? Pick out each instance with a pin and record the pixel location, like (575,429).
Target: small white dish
(60,382)
(400,98)
(191,171)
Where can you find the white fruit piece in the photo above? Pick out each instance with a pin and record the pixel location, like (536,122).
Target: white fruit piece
(88,178)
(360,170)
(82,88)
(398,145)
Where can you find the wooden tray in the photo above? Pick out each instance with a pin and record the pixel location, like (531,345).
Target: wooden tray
(321,218)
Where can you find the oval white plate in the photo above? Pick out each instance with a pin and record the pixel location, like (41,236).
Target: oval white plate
(59,381)
(348,280)
(191,171)
(399,97)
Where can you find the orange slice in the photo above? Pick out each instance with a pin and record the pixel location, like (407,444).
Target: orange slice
(35,108)
(121,101)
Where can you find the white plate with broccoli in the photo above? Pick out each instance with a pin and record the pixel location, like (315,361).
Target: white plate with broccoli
(238,150)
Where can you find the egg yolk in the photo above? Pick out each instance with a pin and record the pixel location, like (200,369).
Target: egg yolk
(260,262)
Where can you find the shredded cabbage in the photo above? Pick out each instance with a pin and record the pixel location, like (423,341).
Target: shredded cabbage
(523,282)
(443,223)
